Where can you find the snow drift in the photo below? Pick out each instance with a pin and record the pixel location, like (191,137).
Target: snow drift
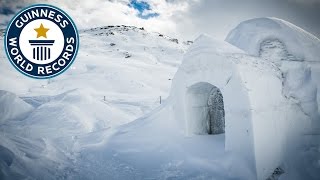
(45,124)
(12,107)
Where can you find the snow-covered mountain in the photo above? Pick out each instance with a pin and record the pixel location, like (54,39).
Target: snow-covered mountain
(119,75)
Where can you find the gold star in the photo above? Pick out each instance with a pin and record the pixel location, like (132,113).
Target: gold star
(41,31)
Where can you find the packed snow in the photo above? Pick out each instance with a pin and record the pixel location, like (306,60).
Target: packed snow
(12,107)
(102,119)
(296,53)
(119,75)
(285,41)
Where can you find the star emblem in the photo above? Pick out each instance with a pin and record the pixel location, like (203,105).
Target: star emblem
(41,31)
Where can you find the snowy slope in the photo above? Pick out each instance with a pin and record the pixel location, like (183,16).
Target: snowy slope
(118,76)
(102,69)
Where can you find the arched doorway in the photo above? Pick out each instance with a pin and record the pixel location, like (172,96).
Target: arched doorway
(205,109)
(215,120)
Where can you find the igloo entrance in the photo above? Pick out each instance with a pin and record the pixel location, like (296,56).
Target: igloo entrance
(205,109)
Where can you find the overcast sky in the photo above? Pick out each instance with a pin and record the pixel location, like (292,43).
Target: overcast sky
(179,18)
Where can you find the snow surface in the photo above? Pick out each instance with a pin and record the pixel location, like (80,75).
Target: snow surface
(41,120)
(248,36)
(80,125)
(244,81)
(12,107)
(294,43)
(296,53)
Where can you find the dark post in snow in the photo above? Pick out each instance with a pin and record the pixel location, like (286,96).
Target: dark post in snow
(160,99)
(104,98)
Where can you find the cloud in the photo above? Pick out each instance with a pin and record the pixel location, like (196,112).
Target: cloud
(93,13)
(145,12)
(218,17)
(179,18)
(306,2)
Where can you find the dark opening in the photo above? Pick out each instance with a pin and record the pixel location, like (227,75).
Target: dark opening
(216,114)
(205,109)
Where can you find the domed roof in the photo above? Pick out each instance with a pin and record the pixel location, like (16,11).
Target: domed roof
(249,35)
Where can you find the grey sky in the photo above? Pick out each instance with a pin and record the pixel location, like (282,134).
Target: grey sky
(186,19)
(218,17)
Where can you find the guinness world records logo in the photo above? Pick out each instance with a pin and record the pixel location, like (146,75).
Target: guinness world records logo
(41,41)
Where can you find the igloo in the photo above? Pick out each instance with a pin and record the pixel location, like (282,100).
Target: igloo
(251,102)
(269,92)
(244,110)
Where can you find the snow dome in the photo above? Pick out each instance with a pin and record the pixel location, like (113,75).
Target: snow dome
(281,42)
(246,94)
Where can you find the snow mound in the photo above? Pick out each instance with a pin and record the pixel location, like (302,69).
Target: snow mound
(249,35)
(6,159)
(12,107)
(75,112)
(118,76)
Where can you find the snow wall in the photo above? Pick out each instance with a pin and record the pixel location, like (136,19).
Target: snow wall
(254,105)
(300,45)
(297,54)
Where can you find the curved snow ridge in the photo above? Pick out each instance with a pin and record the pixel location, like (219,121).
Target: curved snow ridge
(12,107)
(27,158)
(207,43)
(249,35)
(205,46)
(75,112)
(113,30)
